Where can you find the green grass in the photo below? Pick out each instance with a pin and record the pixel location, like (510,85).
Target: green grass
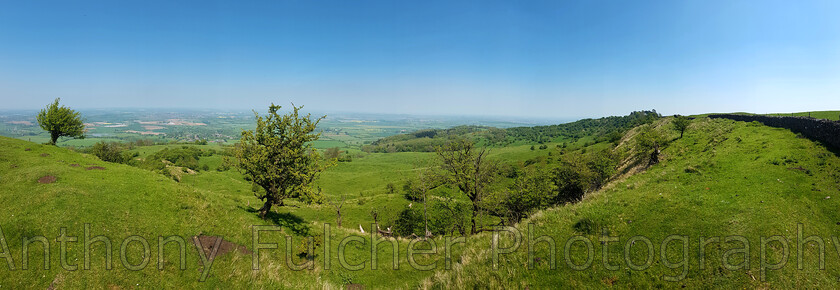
(830,115)
(723,178)
(121,201)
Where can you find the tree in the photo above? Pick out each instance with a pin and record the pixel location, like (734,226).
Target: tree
(467,168)
(571,180)
(110,152)
(680,123)
(332,153)
(647,144)
(61,121)
(531,191)
(337,205)
(278,157)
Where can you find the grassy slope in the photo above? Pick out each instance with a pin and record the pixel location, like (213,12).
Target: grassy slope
(723,178)
(830,115)
(122,201)
(770,199)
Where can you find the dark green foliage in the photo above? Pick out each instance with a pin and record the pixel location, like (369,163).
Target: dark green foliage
(409,221)
(185,156)
(608,128)
(111,152)
(411,190)
(61,121)
(390,188)
(427,140)
(584,226)
(531,191)
(572,179)
(596,127)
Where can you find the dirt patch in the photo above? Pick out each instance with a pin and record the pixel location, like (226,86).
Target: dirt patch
(27,149)
(95,168)
(74,165)
(45,155)
(59,279)
(46,179)
(14,166)
(207,243)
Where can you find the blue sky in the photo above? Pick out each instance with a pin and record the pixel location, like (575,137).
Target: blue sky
(553,59)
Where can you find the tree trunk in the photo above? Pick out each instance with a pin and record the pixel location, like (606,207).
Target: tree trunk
(265,208)
(339,218)
(654,156)
(474,214)
(425,216)
(53,138)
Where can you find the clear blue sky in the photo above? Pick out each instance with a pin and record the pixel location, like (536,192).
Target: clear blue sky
(553,59)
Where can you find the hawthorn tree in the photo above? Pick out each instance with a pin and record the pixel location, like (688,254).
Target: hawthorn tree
(680,123)
(278,157)
(61,121)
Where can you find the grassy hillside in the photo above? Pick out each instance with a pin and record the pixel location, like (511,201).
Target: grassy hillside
(723,178)
(120,201)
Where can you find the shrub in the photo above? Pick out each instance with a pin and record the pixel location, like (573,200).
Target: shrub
(411,191)
(572,179)
(110,152)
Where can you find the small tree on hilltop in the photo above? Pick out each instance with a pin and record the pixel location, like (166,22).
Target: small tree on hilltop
(61,121)
(680,123)
(278,157)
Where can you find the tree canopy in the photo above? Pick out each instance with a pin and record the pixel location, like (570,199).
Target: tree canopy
(61,121)
(278,157)
(680,123)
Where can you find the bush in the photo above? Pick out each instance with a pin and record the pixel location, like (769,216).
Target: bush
(572,179)
(411,192)
(110,152)
(184,156)
(647,145)
(409,221)
(531,191)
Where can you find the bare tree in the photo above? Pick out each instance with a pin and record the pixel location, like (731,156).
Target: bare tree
(425,183)
(338,206)
(467,168)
